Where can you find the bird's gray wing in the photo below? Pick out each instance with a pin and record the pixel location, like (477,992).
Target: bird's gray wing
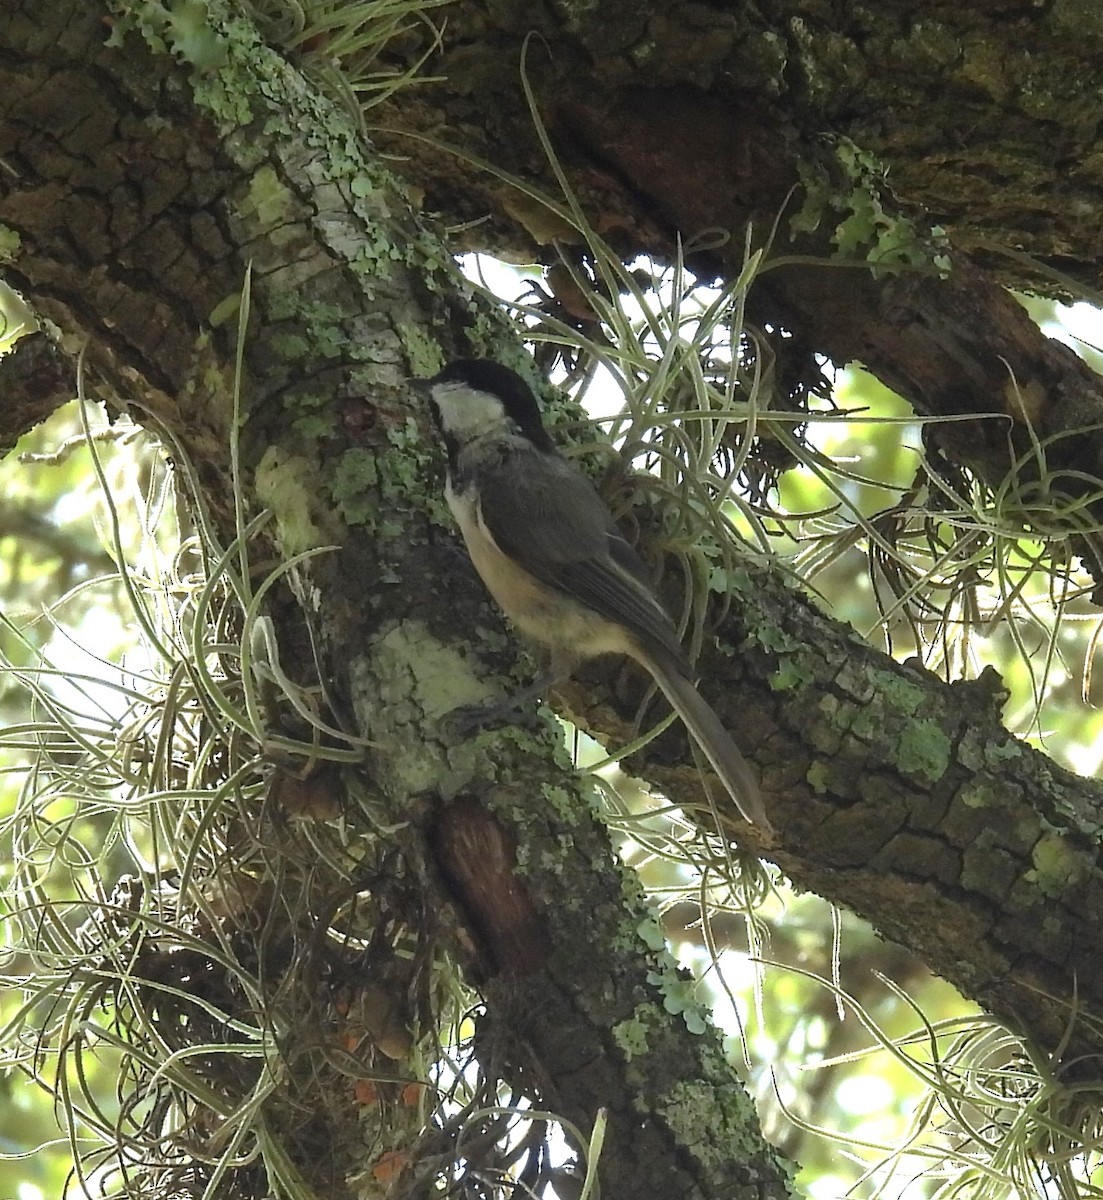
(549,517)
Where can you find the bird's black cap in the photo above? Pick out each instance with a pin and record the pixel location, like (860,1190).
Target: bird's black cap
(486,375)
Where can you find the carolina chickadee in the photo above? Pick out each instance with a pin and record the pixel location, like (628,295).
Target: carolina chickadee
(547,548)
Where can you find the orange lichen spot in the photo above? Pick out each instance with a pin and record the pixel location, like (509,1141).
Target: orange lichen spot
(389,1165)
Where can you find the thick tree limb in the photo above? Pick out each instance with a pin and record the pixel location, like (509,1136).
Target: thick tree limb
(906,800)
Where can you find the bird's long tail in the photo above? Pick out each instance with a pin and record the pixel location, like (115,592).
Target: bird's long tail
(714,740)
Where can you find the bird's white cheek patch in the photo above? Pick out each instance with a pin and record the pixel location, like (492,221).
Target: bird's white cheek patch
(466,413)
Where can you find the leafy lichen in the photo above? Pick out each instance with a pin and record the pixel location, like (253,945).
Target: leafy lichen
(352,485)
(710,1119)
(179,28)
(923,749)
(288,485)
(867,230)
(631,1035)
(10,243)
(1057,865)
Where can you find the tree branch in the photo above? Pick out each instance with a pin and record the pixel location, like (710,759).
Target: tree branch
(905,799)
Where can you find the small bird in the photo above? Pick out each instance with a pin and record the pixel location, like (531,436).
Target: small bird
(550,553)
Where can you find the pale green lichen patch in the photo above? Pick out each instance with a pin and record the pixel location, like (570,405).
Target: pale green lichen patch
(818,778)
(1057,867)
(728,581)
(679,993)
(268,202)
(415,680)
(690,1109)
(867,229)
(288,485)
(790,674)
(564,803)
(770,636)
(680,999)
(999,752)
(979,794)
(651,931)
(792,669)
(632,1035)
(438,677)
(412,676)
(353,485)
(916,745)
(10,243)
(901,693)
(923,749)
(421,351)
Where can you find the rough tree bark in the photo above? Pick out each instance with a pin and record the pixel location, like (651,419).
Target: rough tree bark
(133,192)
